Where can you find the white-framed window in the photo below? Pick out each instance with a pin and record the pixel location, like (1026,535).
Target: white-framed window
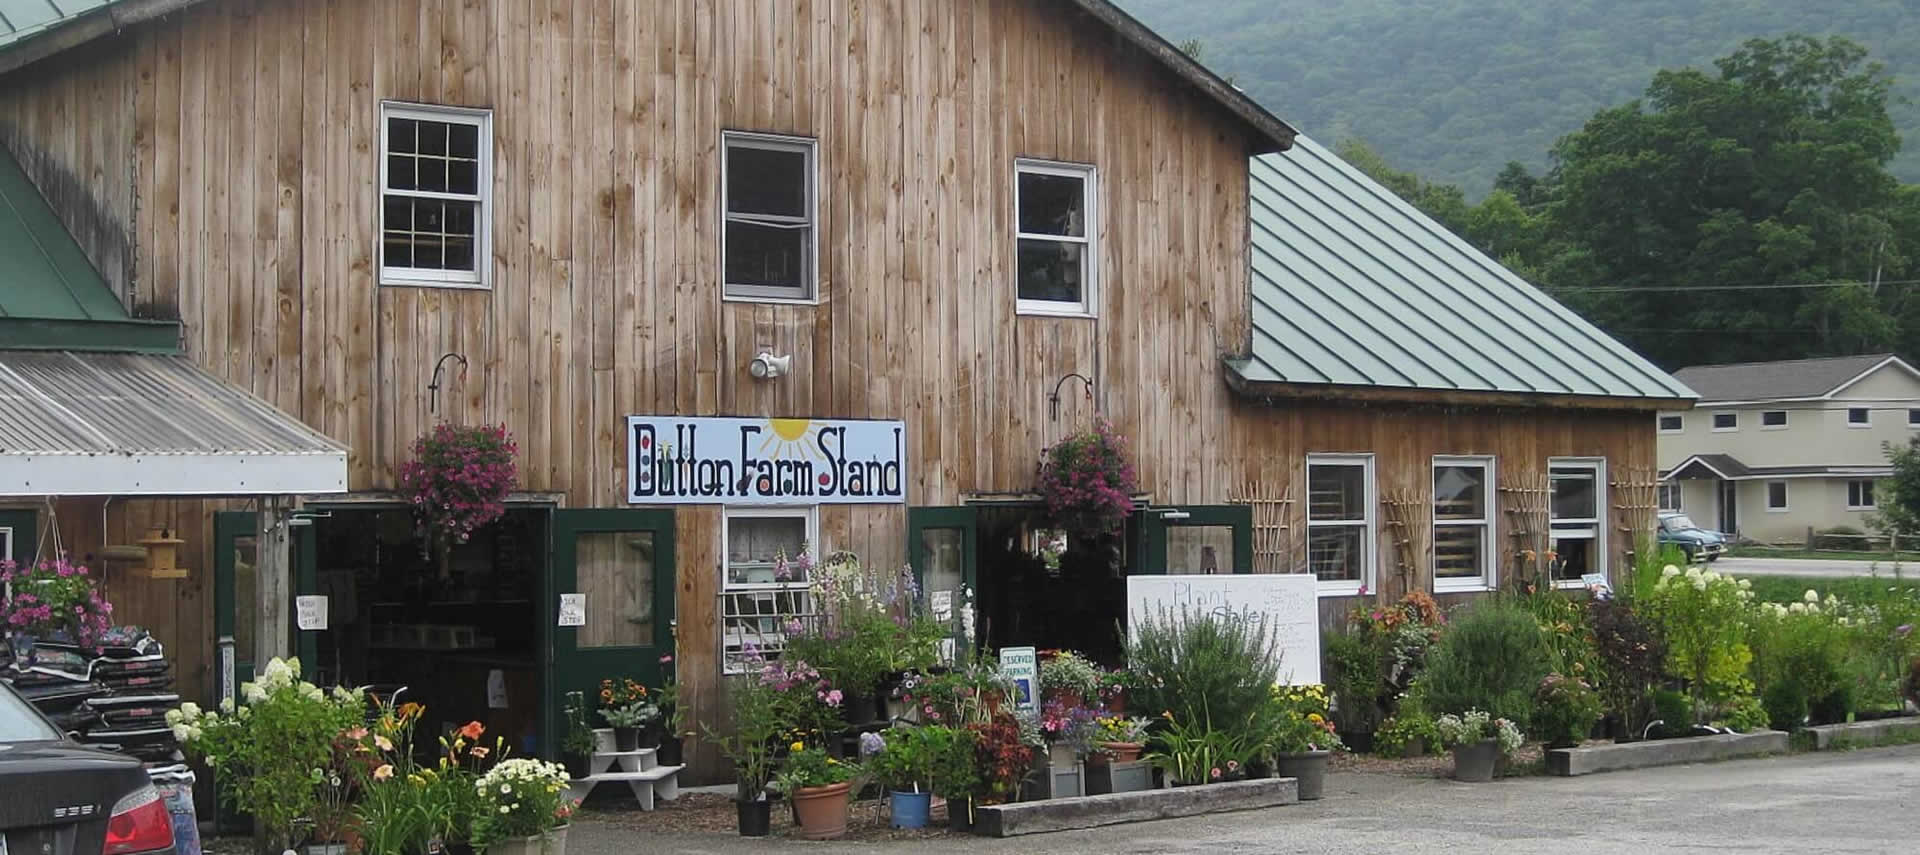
(1463,539)
(1913,418)
(1670,496)
(1056,223)
(1725,422)
(768,242)
(6,543)
(1576,517)
(1859,417)
(761,588)
(1673,423)
(436,189)
(1773,420)
(1776,496)
(1340,522)
(1860,495)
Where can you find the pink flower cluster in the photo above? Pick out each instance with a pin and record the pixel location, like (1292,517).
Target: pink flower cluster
(459,478)
(1087,481)
(55,596)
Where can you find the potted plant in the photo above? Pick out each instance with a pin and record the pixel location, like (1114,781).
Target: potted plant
(1113,689)
(629,721)
(1478,741)
(457,481)
(1087,482)
(576,742)
(1002,757)
(1565,710)
(1303,738)
(48,600)
(1069,678)
(673,721)
(1118,738)
(819,786)
(756,724)
(905,761)
(524,809)
(265,749)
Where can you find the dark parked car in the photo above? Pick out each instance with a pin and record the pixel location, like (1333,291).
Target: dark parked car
(58,797)
(1698,543)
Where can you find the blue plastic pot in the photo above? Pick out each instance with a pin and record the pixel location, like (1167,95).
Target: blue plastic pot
(910,810)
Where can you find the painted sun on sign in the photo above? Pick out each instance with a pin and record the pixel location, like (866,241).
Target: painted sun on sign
(785,461)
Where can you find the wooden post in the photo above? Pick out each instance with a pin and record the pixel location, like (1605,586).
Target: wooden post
(273,585)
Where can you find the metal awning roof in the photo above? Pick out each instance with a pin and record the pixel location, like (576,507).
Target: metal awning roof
(74,423)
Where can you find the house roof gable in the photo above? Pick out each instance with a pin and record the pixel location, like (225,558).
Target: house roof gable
(1792,379)
(1355,292)
(46,27)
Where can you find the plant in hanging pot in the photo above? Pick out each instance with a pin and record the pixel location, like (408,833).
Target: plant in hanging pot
(52,601)
(457,481)
(1478,741)
(819,786)
(576,740)
(524,810)
(1087,482)
(1303,738)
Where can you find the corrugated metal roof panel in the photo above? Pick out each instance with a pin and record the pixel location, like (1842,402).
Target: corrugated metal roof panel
(22,18)
(1354,287)
(71,403)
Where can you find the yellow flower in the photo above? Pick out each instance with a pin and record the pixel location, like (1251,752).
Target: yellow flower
(384,772)
(798,746)
(832,762)
(1315,718)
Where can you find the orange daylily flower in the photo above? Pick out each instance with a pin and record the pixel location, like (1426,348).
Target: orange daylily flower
(472,730)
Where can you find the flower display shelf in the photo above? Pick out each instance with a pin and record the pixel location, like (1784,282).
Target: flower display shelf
(639,770)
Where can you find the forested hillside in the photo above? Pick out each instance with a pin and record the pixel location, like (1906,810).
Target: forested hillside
(1454,89)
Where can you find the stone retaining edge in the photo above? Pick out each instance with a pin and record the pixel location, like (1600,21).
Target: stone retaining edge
(1826,737)
(1569,762)
(1040,817)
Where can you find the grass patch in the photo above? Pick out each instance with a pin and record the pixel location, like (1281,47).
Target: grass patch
(1789,589)
(1885,558)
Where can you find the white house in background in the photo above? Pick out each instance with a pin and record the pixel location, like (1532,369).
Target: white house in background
(1775,448)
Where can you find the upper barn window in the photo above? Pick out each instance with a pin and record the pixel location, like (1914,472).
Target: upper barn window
(436,177)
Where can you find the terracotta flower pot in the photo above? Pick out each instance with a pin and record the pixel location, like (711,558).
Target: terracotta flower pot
(1123,752)
(822,811)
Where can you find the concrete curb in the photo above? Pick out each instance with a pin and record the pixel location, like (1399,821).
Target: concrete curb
(1113,808)
(1827,737)
(1568,762)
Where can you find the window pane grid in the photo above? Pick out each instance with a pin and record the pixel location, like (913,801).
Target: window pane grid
(768,217)
(1575,506)
(1461,523)
(432,211)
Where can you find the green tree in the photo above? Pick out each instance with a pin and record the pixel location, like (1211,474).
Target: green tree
(1899,496)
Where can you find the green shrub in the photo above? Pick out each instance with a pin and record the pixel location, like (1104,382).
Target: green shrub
(1834,707)
(1491,657)
(1674,711)
(1745,715)
(1564,711)
(1202,667)
(1704,618)
(1356,675)
(1785,704)
(1398,734)
(1632,657)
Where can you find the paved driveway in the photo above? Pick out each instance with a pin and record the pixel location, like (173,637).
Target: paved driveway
(1841,802)
(1816,568)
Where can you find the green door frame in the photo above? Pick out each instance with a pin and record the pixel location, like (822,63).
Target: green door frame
(25,524)
(229,526)
(962,517)
(1154,534)
(568,668)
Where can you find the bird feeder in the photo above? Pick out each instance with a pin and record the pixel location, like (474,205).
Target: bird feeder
(162,548)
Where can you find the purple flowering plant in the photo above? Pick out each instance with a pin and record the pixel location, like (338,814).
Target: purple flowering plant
(458,480)
(1087,482)
(53,597)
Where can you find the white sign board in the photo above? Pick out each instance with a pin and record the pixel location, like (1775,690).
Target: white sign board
(310,612)
(573,609)
(1289,603)
(679,461)
(1598,584)
(1022,666)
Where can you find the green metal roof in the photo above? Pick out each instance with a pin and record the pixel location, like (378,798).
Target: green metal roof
(1353,287)
(20,19)
(50,295)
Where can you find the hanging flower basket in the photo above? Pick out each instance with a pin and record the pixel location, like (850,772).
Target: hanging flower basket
(51,600)
(1087,482)
(458,481)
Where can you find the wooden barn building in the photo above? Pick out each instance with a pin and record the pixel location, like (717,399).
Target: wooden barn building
(900,246)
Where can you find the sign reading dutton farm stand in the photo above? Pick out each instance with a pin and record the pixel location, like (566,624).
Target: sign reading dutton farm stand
(675,460)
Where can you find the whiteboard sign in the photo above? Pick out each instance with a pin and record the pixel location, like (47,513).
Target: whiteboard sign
(1290,604)
(310,612)
(1021,665)
(573,609)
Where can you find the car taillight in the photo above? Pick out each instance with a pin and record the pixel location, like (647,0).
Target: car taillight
(140,823)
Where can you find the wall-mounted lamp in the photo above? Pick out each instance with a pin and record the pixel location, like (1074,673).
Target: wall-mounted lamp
(1053,400)
(766,366)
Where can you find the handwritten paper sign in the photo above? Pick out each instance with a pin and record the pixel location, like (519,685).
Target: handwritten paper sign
(573,609)
(941,603)
(310,612)
(1290,604)
(1598,584)
(1022,666)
